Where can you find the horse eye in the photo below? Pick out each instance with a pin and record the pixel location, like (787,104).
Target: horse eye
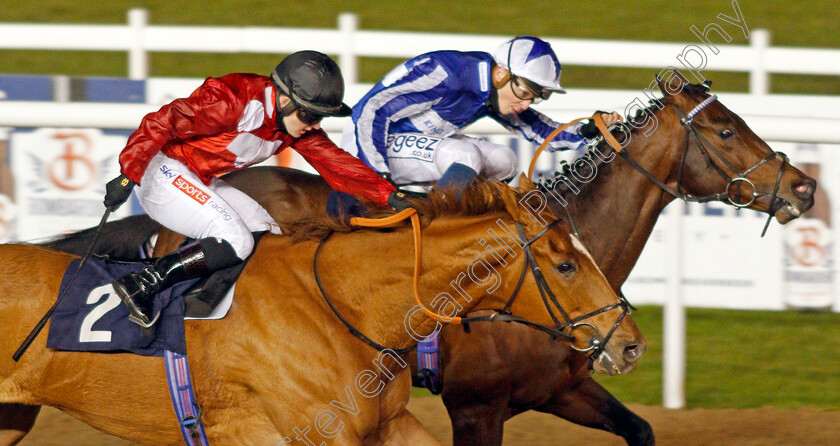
(566,267)
(726,133)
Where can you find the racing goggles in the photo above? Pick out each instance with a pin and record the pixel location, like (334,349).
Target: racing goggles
(307,117)
(528,91)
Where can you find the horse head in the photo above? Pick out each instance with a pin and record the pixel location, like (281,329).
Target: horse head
(567,290)
(721,157)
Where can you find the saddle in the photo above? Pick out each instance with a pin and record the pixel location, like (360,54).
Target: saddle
(90,317)
(205,295)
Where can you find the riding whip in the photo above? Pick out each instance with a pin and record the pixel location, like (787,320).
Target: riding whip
(40,326)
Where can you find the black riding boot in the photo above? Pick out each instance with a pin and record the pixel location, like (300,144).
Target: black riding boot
(138,290)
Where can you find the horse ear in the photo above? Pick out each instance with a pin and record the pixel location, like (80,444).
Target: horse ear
(671,81)
(509,196)
(526,204)
(525,183)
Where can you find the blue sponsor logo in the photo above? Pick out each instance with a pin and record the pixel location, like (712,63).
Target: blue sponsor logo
(430,126)
(221,210)
(412,142)
(167,172)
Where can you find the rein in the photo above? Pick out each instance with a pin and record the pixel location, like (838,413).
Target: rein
(705,147)
(376,223)
(503,315)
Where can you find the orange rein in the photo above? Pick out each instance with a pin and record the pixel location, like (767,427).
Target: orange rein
(599,122)
(415,219)
(415,225)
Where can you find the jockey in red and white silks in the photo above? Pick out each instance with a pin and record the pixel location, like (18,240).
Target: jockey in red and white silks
(230,123)
(227,124)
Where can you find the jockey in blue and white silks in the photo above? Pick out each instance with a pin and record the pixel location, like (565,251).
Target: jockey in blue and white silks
(408,125)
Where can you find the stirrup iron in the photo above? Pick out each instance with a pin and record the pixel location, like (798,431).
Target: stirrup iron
(135,314)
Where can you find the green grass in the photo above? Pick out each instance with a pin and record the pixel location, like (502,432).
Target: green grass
(791,24)
(742,359)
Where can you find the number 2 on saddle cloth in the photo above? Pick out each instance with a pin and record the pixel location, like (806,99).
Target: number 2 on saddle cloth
(91,316)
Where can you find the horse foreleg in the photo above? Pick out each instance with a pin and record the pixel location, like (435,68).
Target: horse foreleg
(590,405)
(16,420)
(478,425)
(403,430)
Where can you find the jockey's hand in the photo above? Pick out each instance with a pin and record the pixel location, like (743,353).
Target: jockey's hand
(590,130)
(611,118)
(117,191)
(397,201)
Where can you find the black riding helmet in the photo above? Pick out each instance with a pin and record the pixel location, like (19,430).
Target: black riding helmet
(313,82)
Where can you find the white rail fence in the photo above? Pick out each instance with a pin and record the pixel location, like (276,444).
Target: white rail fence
(138,38)
(773,117)
(813,119)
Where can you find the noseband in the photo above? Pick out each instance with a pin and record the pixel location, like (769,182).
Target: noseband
(736,182)
(597,344)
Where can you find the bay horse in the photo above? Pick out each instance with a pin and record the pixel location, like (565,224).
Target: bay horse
(281,363)
(498,371)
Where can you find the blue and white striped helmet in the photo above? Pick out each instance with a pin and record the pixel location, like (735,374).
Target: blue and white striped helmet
(533,59)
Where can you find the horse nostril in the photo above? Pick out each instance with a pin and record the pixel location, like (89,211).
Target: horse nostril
(632,352)
(804,189)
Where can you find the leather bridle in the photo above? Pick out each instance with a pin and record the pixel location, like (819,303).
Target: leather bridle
(563,329)
(705,147)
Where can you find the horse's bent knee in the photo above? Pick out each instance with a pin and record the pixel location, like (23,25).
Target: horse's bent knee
(16,420)
(11,437)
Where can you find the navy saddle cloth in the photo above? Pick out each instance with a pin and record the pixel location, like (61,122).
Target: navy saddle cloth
(91,316)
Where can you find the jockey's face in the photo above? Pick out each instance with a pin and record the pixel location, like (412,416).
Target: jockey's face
(294,125)
(509,103)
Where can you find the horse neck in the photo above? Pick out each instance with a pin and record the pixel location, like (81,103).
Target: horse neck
(448,247)
(616,213)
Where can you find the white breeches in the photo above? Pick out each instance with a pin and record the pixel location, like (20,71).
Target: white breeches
(419,158)
(175,197)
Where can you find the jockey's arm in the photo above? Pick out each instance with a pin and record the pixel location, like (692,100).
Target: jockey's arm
(342,171)
(535,127)
(210,110)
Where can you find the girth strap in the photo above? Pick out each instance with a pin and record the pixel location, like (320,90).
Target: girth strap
(187,410)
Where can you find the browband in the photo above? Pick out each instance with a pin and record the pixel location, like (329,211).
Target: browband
(700,106)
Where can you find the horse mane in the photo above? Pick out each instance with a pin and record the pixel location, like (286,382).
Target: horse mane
(698,91)
(481,197)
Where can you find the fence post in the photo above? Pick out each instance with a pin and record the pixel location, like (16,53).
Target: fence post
(138,59)
(348,23)
(673,330)
(759,77)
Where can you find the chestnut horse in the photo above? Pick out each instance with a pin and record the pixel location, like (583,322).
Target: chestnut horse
(485,377)
(281,362)
(486,380)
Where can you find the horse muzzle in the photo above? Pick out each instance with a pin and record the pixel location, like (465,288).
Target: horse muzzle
(620,358)
(796,201)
